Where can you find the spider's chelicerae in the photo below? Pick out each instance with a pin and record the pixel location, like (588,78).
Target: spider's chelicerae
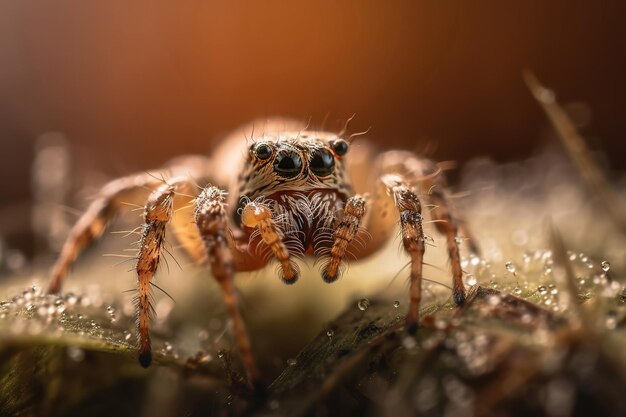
(278,195)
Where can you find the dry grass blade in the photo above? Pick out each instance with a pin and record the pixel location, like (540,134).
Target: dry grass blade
(577,149)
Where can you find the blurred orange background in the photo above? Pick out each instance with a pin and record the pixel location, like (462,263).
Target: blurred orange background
(133,83)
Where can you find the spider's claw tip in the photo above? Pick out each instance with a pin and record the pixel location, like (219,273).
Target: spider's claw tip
(329,278)
(145,359)
(411,327)
(291,280)
(259,388)
(459,297)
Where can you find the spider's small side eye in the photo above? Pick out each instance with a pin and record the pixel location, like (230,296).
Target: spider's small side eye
(262,151)
(340,147)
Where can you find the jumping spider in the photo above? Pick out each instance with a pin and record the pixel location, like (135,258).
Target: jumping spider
(293,192)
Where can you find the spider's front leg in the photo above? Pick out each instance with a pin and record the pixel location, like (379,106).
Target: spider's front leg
(94,221)
(157,214)
(211,222)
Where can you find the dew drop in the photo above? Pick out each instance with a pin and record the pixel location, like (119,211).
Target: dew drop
(363,304)
(127,335)
(291,362)
(611,323)
(75,353)
(606,266)
(510,267)
(330,333)
(168,347)
(409,342)
(274,405)
(396,304)
(517,291)
(203,357)
(542,289)
(470,279)
(42,311)
(71,298)
(493,300)
(441,324)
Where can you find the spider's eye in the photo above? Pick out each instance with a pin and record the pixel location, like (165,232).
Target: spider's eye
(287,164)
(262,151)
(340,146)
(322,163)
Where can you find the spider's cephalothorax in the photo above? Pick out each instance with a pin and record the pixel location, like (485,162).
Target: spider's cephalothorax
(300,180)
(290,196)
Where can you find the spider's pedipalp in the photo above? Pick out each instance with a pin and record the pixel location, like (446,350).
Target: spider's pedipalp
(259,215)
(211,221)
(344,233)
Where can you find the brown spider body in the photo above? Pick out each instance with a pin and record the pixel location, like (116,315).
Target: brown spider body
(290,195)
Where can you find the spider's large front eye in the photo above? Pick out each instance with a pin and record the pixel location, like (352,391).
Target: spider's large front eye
(340,146)
(322,163)
(262,151)
(287,164)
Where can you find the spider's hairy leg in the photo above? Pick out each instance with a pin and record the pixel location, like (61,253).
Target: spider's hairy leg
(157,214)
(447,226)
(344,233)
(211,222)
(430,176)
(94,221)
(115,195)
(410,210)
(256,214)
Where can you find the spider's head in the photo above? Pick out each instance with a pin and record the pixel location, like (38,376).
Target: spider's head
(295,162)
